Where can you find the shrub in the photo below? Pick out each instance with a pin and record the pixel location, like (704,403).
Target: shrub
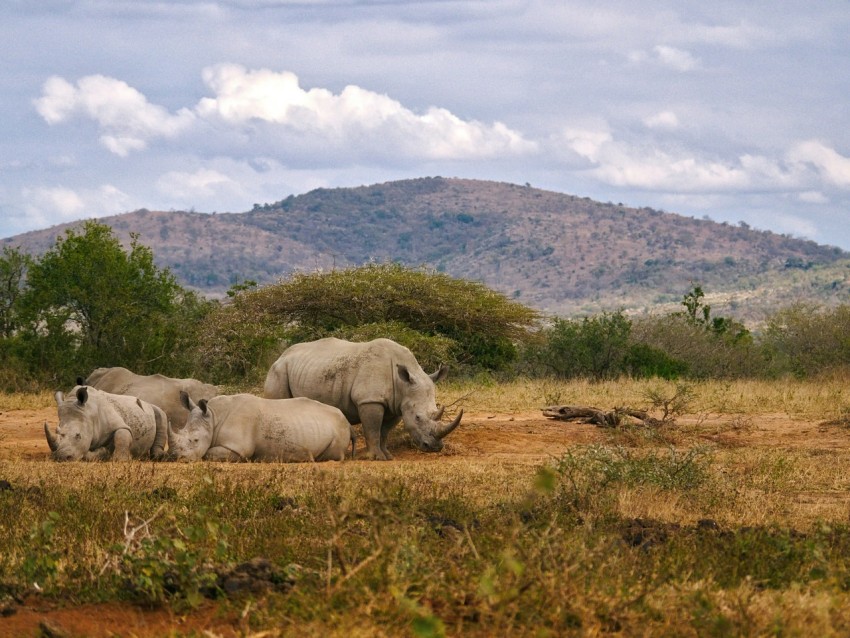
(89,302)
(472,325)
(807,341)
(599,347)
(689,349)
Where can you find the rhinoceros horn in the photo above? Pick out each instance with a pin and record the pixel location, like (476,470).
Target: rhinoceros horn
(439,413)
(448,429)
(51,440)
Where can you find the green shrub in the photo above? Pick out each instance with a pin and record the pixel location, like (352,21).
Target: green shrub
(176,564)
(472,325)
(807,341)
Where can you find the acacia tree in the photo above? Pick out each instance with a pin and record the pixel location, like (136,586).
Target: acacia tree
(440,318)
(88,302)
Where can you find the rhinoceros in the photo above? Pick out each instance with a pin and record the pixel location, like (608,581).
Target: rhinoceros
(376,383)
(160,390)
(244,427)
(95,425)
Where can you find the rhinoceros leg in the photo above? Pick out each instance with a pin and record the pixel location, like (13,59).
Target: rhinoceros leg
(386,426)
(98,454)
(372,420)
(121,441)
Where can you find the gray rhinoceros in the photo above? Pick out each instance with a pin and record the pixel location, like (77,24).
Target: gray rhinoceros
(95,425)
(244,427)
(376,383)
(160,390)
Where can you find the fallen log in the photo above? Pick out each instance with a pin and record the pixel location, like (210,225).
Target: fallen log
(596,416)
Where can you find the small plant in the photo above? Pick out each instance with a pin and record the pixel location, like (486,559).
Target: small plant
(175,566)
(41,562)
(671,406)
(588,479)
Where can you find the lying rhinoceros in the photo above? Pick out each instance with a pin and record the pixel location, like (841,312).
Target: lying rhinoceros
(155,388)
(97,425)
(243,427)
(375,383)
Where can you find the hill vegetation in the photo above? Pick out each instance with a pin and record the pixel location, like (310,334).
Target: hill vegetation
(558,253)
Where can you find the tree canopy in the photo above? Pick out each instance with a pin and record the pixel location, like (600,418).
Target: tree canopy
(88,302)
(437,316)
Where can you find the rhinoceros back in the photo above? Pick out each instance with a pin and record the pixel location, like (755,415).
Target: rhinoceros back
(288,430)
(339,373)
(157,389)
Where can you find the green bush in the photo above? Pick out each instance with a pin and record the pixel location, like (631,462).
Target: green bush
(599,347)
(593,347)
(88,302)
(463,322)
(806,341)
(690,349)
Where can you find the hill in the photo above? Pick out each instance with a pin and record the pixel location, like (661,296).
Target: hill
(559,253)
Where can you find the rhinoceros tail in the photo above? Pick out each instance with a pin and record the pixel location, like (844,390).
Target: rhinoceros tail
(353,436)
(158,447)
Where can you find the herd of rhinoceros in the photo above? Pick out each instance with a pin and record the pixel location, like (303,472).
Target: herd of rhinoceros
(314,393)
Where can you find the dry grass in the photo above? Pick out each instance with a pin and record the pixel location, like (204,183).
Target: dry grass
(826,398)
(25,401)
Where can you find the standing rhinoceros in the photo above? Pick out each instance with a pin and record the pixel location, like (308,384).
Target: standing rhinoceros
(155,388)
(97,425)
(243,427)
(376,383)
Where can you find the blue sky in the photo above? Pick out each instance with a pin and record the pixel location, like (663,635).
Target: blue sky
(738,111)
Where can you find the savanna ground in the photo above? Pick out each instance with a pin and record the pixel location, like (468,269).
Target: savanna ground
(732,518)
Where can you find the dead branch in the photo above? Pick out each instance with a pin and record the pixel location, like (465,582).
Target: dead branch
(596,416)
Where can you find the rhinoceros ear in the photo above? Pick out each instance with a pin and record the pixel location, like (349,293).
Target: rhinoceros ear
(440,374)
(185,401)
(403,373)
(82,395)
(203,405)
(81,381)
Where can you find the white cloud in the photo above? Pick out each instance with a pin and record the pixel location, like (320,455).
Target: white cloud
(663,120)
(58,204)
(677,59)
(355,116)
(827,161)
(126,119)
(652,166)
(356,120)
(621,164)
(795,225)
(201,184)
(587,143)
(813,197)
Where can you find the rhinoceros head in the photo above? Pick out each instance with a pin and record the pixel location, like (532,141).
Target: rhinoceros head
(191,441)
(76,426)
(419,408)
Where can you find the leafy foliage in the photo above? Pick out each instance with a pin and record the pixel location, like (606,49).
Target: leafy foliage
(807,341)
(87,302)
(13,268)
(440,318)
(599,347)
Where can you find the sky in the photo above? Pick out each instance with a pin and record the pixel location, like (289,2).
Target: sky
(736,111)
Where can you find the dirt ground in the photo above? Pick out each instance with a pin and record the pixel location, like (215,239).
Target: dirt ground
(525,437)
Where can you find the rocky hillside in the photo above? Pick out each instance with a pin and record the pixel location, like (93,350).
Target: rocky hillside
(562,254)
